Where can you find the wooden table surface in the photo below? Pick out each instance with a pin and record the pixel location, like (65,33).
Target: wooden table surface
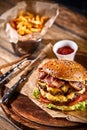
(68,25)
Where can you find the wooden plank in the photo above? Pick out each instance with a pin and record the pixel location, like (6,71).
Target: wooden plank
(67,19)
(68,25)
(7,4)
(72,21)
(53,35)
(6,51)
(4,6)
(56,33)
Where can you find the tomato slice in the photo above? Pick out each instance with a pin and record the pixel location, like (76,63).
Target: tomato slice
(81,98)
(42,99)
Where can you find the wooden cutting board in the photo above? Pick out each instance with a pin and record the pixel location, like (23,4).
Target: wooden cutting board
(25,114)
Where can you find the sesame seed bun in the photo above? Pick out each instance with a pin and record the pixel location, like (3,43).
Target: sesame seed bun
(66,70)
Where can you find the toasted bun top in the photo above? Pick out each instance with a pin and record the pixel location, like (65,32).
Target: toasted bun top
(64,69)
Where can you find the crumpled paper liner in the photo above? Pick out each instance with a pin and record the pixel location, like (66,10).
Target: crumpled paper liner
(74,116)
(42,8)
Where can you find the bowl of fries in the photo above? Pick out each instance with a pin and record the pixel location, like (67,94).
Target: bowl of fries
(26,24)
(29,24)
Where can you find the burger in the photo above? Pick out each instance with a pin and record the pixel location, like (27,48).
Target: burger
(62,85)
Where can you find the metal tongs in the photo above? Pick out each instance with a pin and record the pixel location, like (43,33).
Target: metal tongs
(22,78)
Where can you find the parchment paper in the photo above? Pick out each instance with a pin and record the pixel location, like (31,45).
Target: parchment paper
(42,8)
(75,116)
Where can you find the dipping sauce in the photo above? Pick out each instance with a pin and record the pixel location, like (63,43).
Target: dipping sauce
(65,50)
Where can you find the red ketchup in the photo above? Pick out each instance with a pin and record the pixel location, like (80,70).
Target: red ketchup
(65,50)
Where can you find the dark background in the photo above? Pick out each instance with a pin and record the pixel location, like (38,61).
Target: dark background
(78,5)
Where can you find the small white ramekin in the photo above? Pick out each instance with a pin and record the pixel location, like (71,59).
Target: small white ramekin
(63,43)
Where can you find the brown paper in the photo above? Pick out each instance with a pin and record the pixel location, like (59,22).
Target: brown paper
(44,9)
(75,116)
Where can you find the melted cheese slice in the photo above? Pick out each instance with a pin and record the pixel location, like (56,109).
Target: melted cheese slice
(59,98)
(54,90)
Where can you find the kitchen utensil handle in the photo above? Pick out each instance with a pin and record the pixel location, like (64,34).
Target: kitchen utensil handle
(11,91)
(9,72)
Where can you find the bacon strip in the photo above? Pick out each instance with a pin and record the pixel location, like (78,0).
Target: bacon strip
(76,85)
(53,82)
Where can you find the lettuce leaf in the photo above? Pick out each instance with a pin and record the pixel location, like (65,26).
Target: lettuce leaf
(36,93)
(79,106)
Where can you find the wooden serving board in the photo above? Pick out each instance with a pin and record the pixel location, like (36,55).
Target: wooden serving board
(25,114)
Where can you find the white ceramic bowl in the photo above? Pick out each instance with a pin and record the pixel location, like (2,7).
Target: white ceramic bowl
(63,43)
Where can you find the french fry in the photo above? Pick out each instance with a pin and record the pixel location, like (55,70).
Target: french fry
(27,31)
(44,19)
(30,15)
(37,18)
(35,29)
(28,23)
(21,13)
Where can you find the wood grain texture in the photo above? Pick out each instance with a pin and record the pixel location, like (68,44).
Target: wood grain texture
(69,25)
(72,21)
(29,115)
(67,19)
(26,114)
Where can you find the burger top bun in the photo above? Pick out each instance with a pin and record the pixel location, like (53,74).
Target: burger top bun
(64,69)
